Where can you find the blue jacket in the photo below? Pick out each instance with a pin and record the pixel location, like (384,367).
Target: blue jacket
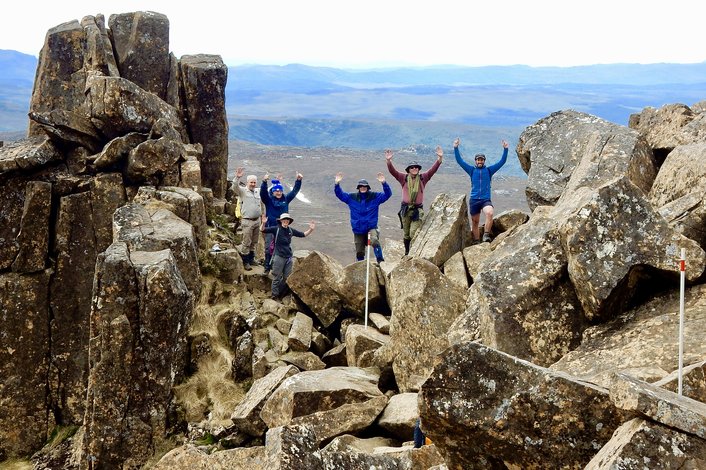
(364,207)
(275,207)
(480,177)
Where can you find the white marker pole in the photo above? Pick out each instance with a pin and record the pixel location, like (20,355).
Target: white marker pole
(682,268)
(367,279)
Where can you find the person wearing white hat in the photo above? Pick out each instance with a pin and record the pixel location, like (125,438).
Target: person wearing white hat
(281,247)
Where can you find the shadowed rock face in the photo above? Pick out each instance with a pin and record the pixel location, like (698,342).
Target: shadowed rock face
(100,127)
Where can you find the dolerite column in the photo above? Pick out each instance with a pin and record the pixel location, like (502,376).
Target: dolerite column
(204,81)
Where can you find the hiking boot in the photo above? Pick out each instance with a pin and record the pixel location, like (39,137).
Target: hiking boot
(266,271)
(486,237)
(247,267)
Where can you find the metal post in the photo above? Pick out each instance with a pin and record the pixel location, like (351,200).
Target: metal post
(682,268)
(367,278)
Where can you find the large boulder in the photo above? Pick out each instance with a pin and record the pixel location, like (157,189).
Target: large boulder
(162,229)
(28,154)
(669,126)
(424,304)
(444,231)
(99,55)
(400,416)
(246,416)
(24,362)
(33,237)
(484,409)
(139,352)
(204,80)
(642,342)
(351,287)
(70,300)
(649,443)
(521,301)
(555,147)
(322,390)
(189,457)
(61,77)
(614,240)
(145,63)
(118,106)
(679,191)
(586,259)
(659,405)
(314,280)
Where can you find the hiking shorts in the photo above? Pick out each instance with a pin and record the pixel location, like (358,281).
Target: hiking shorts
(477,205)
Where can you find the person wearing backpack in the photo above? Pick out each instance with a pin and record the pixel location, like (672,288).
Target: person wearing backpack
(282,256)
(364,207)
(276,203)
(413,183)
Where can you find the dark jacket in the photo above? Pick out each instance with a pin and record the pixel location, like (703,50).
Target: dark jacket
(480,177)
(275,207)
(364,207)
(283,239)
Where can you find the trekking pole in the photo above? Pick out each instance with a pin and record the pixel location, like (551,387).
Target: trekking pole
(367,278)
(682,268)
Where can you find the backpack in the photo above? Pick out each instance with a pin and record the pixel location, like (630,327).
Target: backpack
(271,248)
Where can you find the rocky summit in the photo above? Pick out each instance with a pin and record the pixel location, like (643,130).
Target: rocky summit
(131,336)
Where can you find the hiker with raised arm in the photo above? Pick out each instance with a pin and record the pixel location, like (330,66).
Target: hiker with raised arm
(252,214)
(364,206)
(479,199)
(282,258)
(413,183)
(276,204)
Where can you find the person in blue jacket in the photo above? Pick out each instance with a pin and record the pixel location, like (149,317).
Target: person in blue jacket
(276,203)
(479,200)
(363,206)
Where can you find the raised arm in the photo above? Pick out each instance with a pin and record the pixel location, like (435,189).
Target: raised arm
(312,226)
(387,191)
(264,194)
(466,167)
(295,190)
(399,176)
(337,189)
(496,166)
(426,176)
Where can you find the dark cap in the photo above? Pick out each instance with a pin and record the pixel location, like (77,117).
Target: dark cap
(362,183)
(480,155)
(412,165)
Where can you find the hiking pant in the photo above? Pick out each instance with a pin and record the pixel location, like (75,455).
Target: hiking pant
(250,230)
(361,240)
(268,257)
(281,268)
(409,226)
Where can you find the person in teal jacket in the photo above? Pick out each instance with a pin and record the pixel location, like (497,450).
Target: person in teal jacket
(276,203)
(479,200)
(364,207)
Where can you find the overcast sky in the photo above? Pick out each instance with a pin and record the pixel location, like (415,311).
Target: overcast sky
(378,33)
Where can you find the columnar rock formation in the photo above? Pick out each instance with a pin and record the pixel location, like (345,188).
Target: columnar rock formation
(98,295)
(123,336)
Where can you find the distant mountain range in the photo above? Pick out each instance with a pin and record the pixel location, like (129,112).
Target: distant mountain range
(373,109)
